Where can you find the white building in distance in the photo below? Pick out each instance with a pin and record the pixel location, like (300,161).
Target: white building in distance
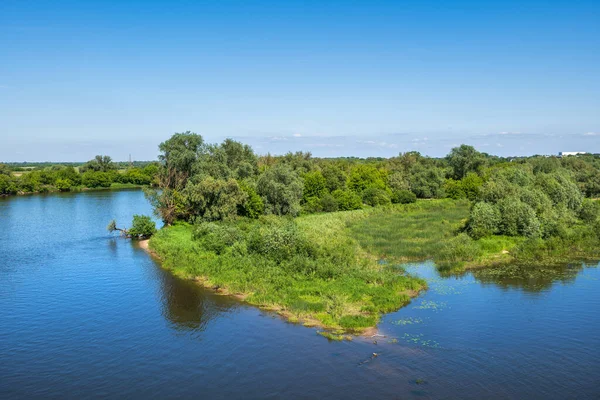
(570,153)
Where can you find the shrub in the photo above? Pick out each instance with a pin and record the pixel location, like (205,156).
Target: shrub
(590,210)
(403,197)
(64,185)
(314,185)
(347,200)
(278,240)
(216,237)
(376,197)
(253,207)
(484,220)
(518,218)
(329,203)
(7,185)
(312,205)
(142,227)
(92,179)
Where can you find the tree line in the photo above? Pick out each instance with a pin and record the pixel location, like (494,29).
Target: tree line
(100,172)
(529,196)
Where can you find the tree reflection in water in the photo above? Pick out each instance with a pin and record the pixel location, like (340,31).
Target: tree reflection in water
(188,306)
(530,278)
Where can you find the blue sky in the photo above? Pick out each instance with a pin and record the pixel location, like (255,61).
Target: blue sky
(337,78)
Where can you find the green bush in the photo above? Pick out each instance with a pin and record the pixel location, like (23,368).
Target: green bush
(376,197)
(312,205)
(329,203)
(484,220)
(142,227)
(347,200)
(64,185)
(403,197)
(590,210)
(93,179)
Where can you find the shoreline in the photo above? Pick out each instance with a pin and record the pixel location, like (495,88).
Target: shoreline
(328,332)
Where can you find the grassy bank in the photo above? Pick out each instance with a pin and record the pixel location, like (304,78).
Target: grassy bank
(432,230)
(310,270)
(324,269)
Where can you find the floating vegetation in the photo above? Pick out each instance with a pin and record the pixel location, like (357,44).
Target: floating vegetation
(419,340)
(431,305)
(393,341)
(408,321)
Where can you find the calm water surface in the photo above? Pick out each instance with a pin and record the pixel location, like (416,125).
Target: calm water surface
(86,314)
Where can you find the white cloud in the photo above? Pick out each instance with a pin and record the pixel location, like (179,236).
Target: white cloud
(297,135)
(509,133)
(591,134)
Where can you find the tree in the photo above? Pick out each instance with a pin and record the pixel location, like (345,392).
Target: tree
(281,190)
(363,176)
(99,164)
(403,197)
(214,199)
(178,155)
(96,179)
(347,200)
(335,178)
(64,185)
(254,206)
(484,220)
(376,197)
(464,159)
(315,185)
(142,227)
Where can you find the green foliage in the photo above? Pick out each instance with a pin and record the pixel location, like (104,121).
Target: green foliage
(364,176)
(142,227)
(92,179)
(376,197)
(7,185)
(254,206)
(315,185)
(281,190)
(347,200)
(329,203)
(335,178)
(590,211)
(179,153)
(468,187)
(465,159)
(426,182)
(403,197)
(99,164)
(64,185)
(214,199)
(312,205)
(484,221)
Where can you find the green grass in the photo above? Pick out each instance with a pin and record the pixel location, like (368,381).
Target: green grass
(411,232)
(309,270)
(432,230)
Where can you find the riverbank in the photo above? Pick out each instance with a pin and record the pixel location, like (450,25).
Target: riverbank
(340,271)
(76,189)
(308,270)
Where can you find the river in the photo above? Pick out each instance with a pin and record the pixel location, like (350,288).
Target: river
(85,314)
